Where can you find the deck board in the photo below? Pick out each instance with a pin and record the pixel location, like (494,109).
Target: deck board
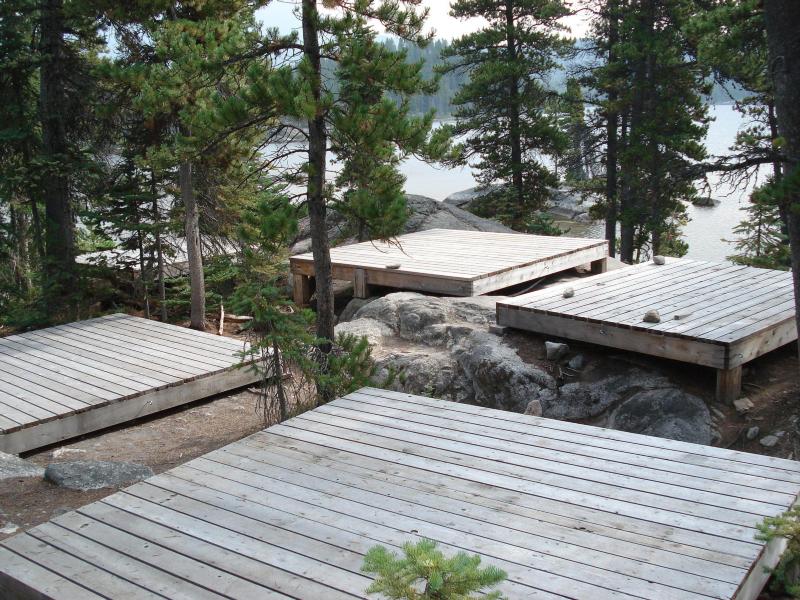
(68,380)
(567,510)
(454,262)
(712,314)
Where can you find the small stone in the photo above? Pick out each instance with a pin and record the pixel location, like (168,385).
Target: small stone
(498,329)
(555,350)
(393,266)
(534,408)
(95,474)
(568,292)
(577,362)
(9,528)
(659,260)
(768,441)
(651,316)
(753,432)
(742,405)
(59,452)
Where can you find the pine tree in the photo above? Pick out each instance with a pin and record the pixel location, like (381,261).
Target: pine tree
(654,93)
(424,567)
(337,99)
(176,80)
(502,109)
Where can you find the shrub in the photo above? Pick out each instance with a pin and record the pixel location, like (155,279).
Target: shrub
(424,573)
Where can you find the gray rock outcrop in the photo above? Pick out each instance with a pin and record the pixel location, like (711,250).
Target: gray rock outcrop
(95,474)
(424,213)
(664,412)
(14,467)
(442,347)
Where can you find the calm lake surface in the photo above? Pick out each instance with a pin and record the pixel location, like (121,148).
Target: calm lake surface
(707,231)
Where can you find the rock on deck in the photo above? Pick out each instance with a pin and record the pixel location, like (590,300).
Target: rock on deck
(445,261)
(64,381)
(567,510)
(712,314)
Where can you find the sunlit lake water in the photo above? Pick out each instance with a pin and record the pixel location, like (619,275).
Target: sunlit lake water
(706,232)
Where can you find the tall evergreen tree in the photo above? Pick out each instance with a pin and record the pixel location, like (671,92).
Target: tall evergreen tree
(176,81)
(654,91)
(501,110)
(341,90)
(783,23)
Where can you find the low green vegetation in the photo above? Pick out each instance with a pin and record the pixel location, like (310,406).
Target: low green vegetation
(423,572)
(786,576)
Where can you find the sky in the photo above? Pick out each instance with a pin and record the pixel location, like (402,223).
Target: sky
(280,14)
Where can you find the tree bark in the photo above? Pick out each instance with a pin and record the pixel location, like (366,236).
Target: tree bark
(315,190)
(59,259)
(162,294)
(612,123)
(513,117)
(21,254)
(783,23)
(193,251)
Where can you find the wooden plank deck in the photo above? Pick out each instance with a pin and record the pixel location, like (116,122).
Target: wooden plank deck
(457,263)
(567,510)
(64,381)
(712,314)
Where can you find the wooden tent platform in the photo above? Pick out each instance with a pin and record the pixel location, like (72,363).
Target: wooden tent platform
(64,381)
(445,261)
(567,510)
(712,314)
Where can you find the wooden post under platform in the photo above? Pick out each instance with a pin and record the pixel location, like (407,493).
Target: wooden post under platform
(729,384)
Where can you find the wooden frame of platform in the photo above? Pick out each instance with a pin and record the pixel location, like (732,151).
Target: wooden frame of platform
(712,314)
(452,262)
(567,510)
(65,381)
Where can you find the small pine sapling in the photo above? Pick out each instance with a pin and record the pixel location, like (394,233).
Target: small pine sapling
(786,575)
(425,573)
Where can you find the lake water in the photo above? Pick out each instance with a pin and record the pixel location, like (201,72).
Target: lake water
(707,231)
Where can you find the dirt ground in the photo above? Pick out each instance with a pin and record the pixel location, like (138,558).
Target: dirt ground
(163,442)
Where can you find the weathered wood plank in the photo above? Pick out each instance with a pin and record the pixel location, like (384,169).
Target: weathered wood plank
(455,262)
(567,510)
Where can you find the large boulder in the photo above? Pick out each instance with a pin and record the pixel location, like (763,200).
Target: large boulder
(440,347)
(668,413)
(95,474)
(589,399)
(423,213)
(495,375)
(14,467)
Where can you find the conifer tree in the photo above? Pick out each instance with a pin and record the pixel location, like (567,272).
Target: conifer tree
(655,116)
(177,85)
(425,573)
(345,96)
(501,109)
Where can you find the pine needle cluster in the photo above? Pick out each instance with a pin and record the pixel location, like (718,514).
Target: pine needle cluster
(425,573)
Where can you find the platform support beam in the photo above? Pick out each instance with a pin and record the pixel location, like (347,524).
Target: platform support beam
(729,384)
(301,289)
(599,266)
(360,287)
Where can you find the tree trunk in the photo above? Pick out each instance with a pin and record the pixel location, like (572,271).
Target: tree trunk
(631,194)
(21,255)
(59,259)
(612,123)
(783,23)
(193,251)
(513,118)
(162,294)
(315,191)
